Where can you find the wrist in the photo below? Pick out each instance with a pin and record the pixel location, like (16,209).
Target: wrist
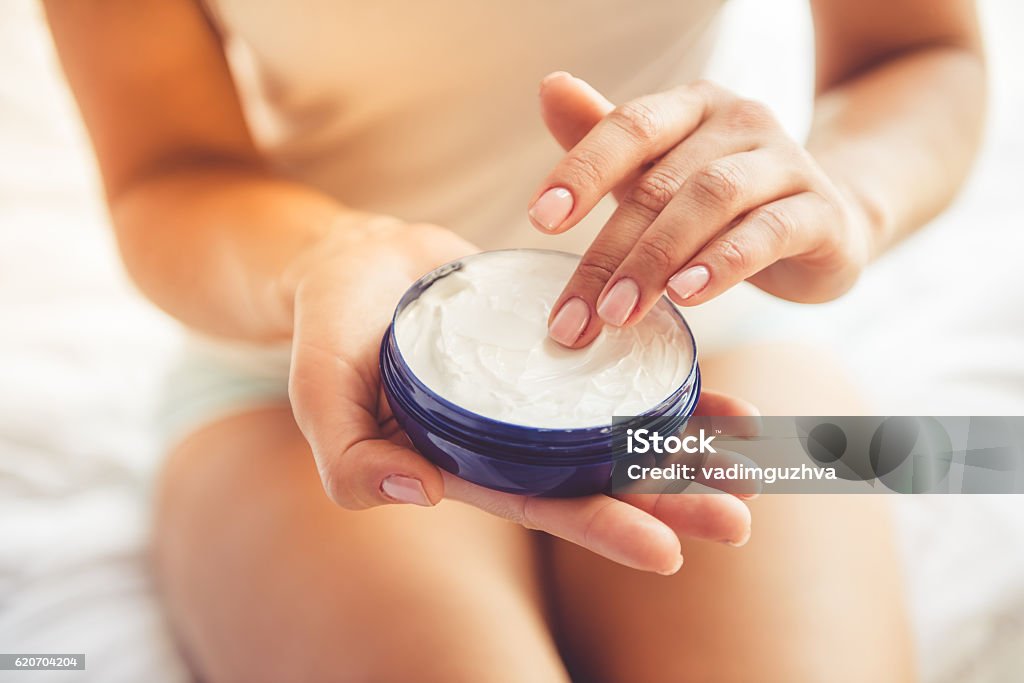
(349,230)
(868,218)
(865,205)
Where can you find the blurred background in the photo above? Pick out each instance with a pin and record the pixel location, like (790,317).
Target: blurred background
(81,356)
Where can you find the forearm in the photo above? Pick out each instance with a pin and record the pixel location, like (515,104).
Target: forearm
(209,244)
(900,137)
(205,230)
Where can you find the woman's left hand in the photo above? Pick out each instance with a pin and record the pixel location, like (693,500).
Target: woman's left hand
(711,192)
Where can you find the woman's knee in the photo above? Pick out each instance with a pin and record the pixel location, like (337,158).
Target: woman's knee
(254,558)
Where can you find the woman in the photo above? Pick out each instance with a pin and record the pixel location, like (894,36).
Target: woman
(277,173)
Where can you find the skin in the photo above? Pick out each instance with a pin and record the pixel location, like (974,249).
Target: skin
(713,192)
(213,237)
(220,243)
(819,570)
(402,592)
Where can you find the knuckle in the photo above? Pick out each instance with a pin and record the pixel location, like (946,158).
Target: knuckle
(706,87)
(343,484)
(711,93)
(595,269)
(584,167)
(799,156)
(653,191)
(717,184)
(524,516)
(638,119)
(777,222)
(744,113)
(334,487)
(731,254)
(657,252)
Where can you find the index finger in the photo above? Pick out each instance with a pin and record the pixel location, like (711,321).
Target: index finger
(630,136)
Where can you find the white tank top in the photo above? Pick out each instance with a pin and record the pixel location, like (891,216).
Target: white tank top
(428,110)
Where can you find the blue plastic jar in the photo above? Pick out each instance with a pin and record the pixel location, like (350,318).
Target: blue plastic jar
(511,457)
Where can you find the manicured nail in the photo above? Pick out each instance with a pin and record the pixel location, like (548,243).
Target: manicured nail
(402,489)
(678,565)
(686,283)
(552,208)
(570,321)
(620,301)
(743,540)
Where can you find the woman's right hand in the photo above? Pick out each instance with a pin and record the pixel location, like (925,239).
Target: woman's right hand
(344,292)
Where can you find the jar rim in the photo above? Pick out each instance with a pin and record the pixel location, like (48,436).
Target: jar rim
(598,431)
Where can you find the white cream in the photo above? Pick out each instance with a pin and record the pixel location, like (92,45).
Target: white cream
(478,337)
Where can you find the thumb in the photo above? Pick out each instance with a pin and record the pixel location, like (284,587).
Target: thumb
(360,464)
(335,391)
(570,107)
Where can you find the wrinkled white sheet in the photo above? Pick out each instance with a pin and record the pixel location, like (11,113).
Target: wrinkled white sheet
(82,354)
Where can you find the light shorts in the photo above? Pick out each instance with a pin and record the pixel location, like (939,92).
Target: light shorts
(210,380)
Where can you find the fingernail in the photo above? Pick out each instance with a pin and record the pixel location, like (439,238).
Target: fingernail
(570,321)
(553,76)
(743,540)
(402,489)
(686,283)
(678,565)
(552,208)
(619,303)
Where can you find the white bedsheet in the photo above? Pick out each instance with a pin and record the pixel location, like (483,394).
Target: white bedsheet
(82,355)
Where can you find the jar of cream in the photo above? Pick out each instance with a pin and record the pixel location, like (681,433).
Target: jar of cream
(472,377)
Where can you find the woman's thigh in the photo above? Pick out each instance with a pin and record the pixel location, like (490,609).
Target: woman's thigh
(265,579)
(815,595)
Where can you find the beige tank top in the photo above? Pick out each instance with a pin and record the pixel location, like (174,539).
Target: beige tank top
(428,110)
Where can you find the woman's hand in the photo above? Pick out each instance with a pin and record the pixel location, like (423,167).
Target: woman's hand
(711,192)
(344,293)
